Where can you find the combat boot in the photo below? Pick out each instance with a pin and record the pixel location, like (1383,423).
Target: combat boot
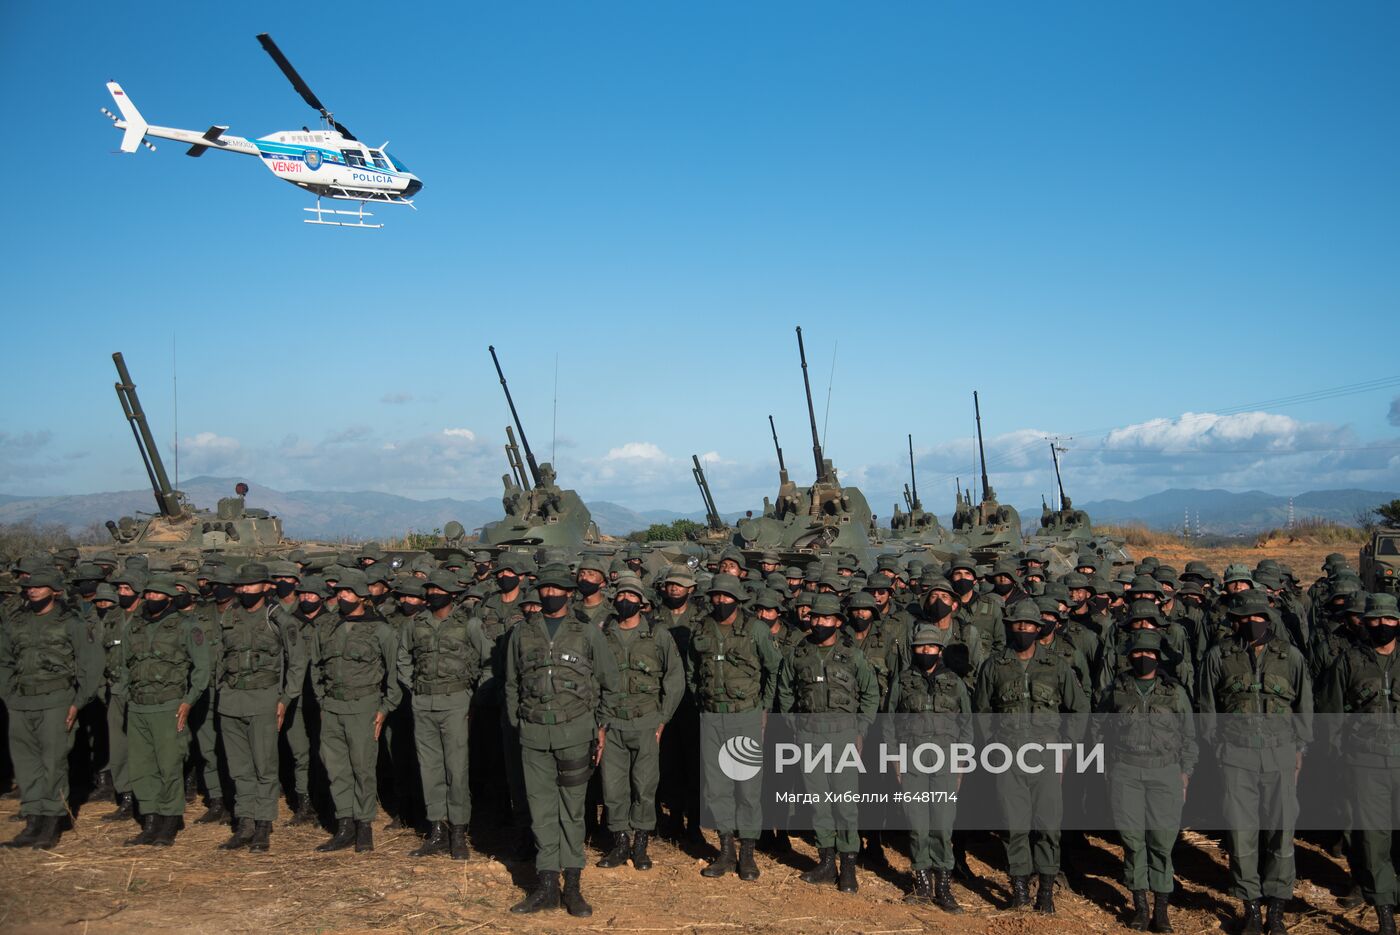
(305,814)
(748,867)
(242,836)
(436,843)
(344,836)
(1140,919)
(872,852)
(364,837)
(262,831)
(191,788)
(943,896)
(126,808)
(573,899)
(457,845)
(26,837)
(1351,898)
(846,877)
(214,814)
(545,895)
(1275,925)
(167,827)
(50,830)
(1160,922)
(725,862)
(1385,920)
(1045,895)
(1020,892)
(641,860)
(103,787)
(921,893)
(621,850)
(148,831)
(825,870)
(1250,922)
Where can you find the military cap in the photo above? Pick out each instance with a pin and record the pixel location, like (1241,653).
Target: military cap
(837,583)
(888,563)
(847,561)
(1024,611)
(1087,561)
(775,581)
(1146,610)
(87,571)
(861,600)
(727,584)
(1038,572)
(937,583)
(1056,590)
(1006,566)
(631,584)
(768,600)
(555,575)
(1334,560)
(480,591)
(161,584)
(1145,640)
(185,581)
(220,574)
(827,605)
(512,562)
(770,557)
(879,582)
(1269,578)
(105,592)
(418,563)
(312,584)
(530,596)
(619,567)
(454,557)
(354,581)
(481,557)
(593,563)
(372,550)
(411,586)
(1074,580)
(792,571)
(132,578)
(1238,572)
(679,574)
(1191,587)
(1356,603)
(1124,577)
(814,573)
(930,636)
(44,578)
(297,556)
(915,567)
(105,558)
(1266,563)
(378,573)
(1286,571)
(1145,584)
(442,578)
(732,554)
(1198,569)
(283,569)
(964,562)
(1381,605)
(252,573)
(1149,562)
(803,599)
(1248,604)
(29,564)
(1100,584)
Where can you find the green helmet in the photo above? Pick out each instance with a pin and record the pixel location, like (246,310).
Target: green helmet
(1238,572)
(1146,610)
(930,636)
(1024,611)
(631,584)
(725,583)
(1145,640)
(827,605)
(556,576)
(1381,605)
(162,584)
(446,580)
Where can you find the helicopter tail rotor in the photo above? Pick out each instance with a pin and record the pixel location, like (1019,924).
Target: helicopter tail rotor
(135,124)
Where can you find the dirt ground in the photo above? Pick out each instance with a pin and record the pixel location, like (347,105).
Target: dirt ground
(92,884)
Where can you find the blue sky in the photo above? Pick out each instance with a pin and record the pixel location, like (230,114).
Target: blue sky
(1102,216)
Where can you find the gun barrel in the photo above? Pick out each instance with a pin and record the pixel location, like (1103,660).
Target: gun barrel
(913,477)
(981,453)
(517,467)
(712,517)
(1055,457)
(166,501)
(811,410)
(515,416)
(782,468)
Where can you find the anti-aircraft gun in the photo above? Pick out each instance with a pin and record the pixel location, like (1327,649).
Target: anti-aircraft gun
(1069,532)
(177,526)
(538,512)
(1066,522)
(916,523)
(988,528)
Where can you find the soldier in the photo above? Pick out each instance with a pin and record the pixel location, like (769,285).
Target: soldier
(108,623)
(933,702)
(592,603)
(1361,683)
(984,611)
(204,727)
(652,682)
(1152,756)
(259,671)
(1258,672)
(732,670)
(50,668)
(162,670)
(1024,677)
(679,791)
(827,681)
(354,657)
(1175,659)
(305,615)
(441,655)
(560,675)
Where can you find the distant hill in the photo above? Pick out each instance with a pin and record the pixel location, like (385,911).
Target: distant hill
(1224,513)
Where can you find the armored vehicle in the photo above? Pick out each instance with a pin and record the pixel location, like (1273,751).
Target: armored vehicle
(988,528)
(1380,561)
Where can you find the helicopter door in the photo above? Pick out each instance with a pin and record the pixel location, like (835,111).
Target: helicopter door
(353,158)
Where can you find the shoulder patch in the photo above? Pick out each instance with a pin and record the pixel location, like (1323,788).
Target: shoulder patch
(198,635)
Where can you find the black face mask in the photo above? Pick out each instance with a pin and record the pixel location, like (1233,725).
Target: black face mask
(1143,666)
(937,610)
(437,601)
(1255,631)
(249,601)
(1021,640)
(821,634)
(1001,589)
(184,601)
(206,589)
(722,611)
(223,592)
(1099,603)
(626,608)
(88,589)
(308,607)
(964,586)
(507,582)
(348,608)
(859,624)
(673,601)
(36,607)
(285,589)
(1047,627)
(553,603)
(153,608)
(101,611)
(589,588)
(1382,633)
(927,662)
(127,601)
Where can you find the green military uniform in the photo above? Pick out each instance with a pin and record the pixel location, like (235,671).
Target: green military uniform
(295,725)
(441,657)
(1151,736)
(1176,648)
(258,670)
(204,725)
(1244,677)
(164,666)
(496,745)
(50,663)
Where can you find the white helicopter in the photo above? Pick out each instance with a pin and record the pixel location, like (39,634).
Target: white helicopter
(329,163)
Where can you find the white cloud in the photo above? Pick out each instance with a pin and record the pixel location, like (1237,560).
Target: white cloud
(637,451)
(210,453)
(466,434)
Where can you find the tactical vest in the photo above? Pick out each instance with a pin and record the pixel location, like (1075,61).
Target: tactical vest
(639,662)
(158,662)
(352,660)
(556,676)
(1264,687)
(1371,691)
(728,668)
(824,678)
(1147,728)
(445,660)
(881,647)
(936,697)
(43,653)
(1036,690)
(252,650)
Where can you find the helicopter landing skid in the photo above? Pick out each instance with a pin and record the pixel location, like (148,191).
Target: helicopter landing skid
(359,216)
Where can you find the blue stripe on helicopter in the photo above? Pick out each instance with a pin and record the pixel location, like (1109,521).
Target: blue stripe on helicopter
(297,153)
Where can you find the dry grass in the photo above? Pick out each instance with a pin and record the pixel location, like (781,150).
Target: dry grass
(1140,538)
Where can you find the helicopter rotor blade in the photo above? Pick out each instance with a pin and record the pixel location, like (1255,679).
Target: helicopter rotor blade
(299,83)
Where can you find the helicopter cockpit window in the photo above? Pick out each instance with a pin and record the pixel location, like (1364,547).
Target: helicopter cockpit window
(397,163)
(353,157)
(378,159)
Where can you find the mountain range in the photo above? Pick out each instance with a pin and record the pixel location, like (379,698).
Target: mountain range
(334,515)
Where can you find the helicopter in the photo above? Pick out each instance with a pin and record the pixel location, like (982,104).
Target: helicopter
(329,162)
